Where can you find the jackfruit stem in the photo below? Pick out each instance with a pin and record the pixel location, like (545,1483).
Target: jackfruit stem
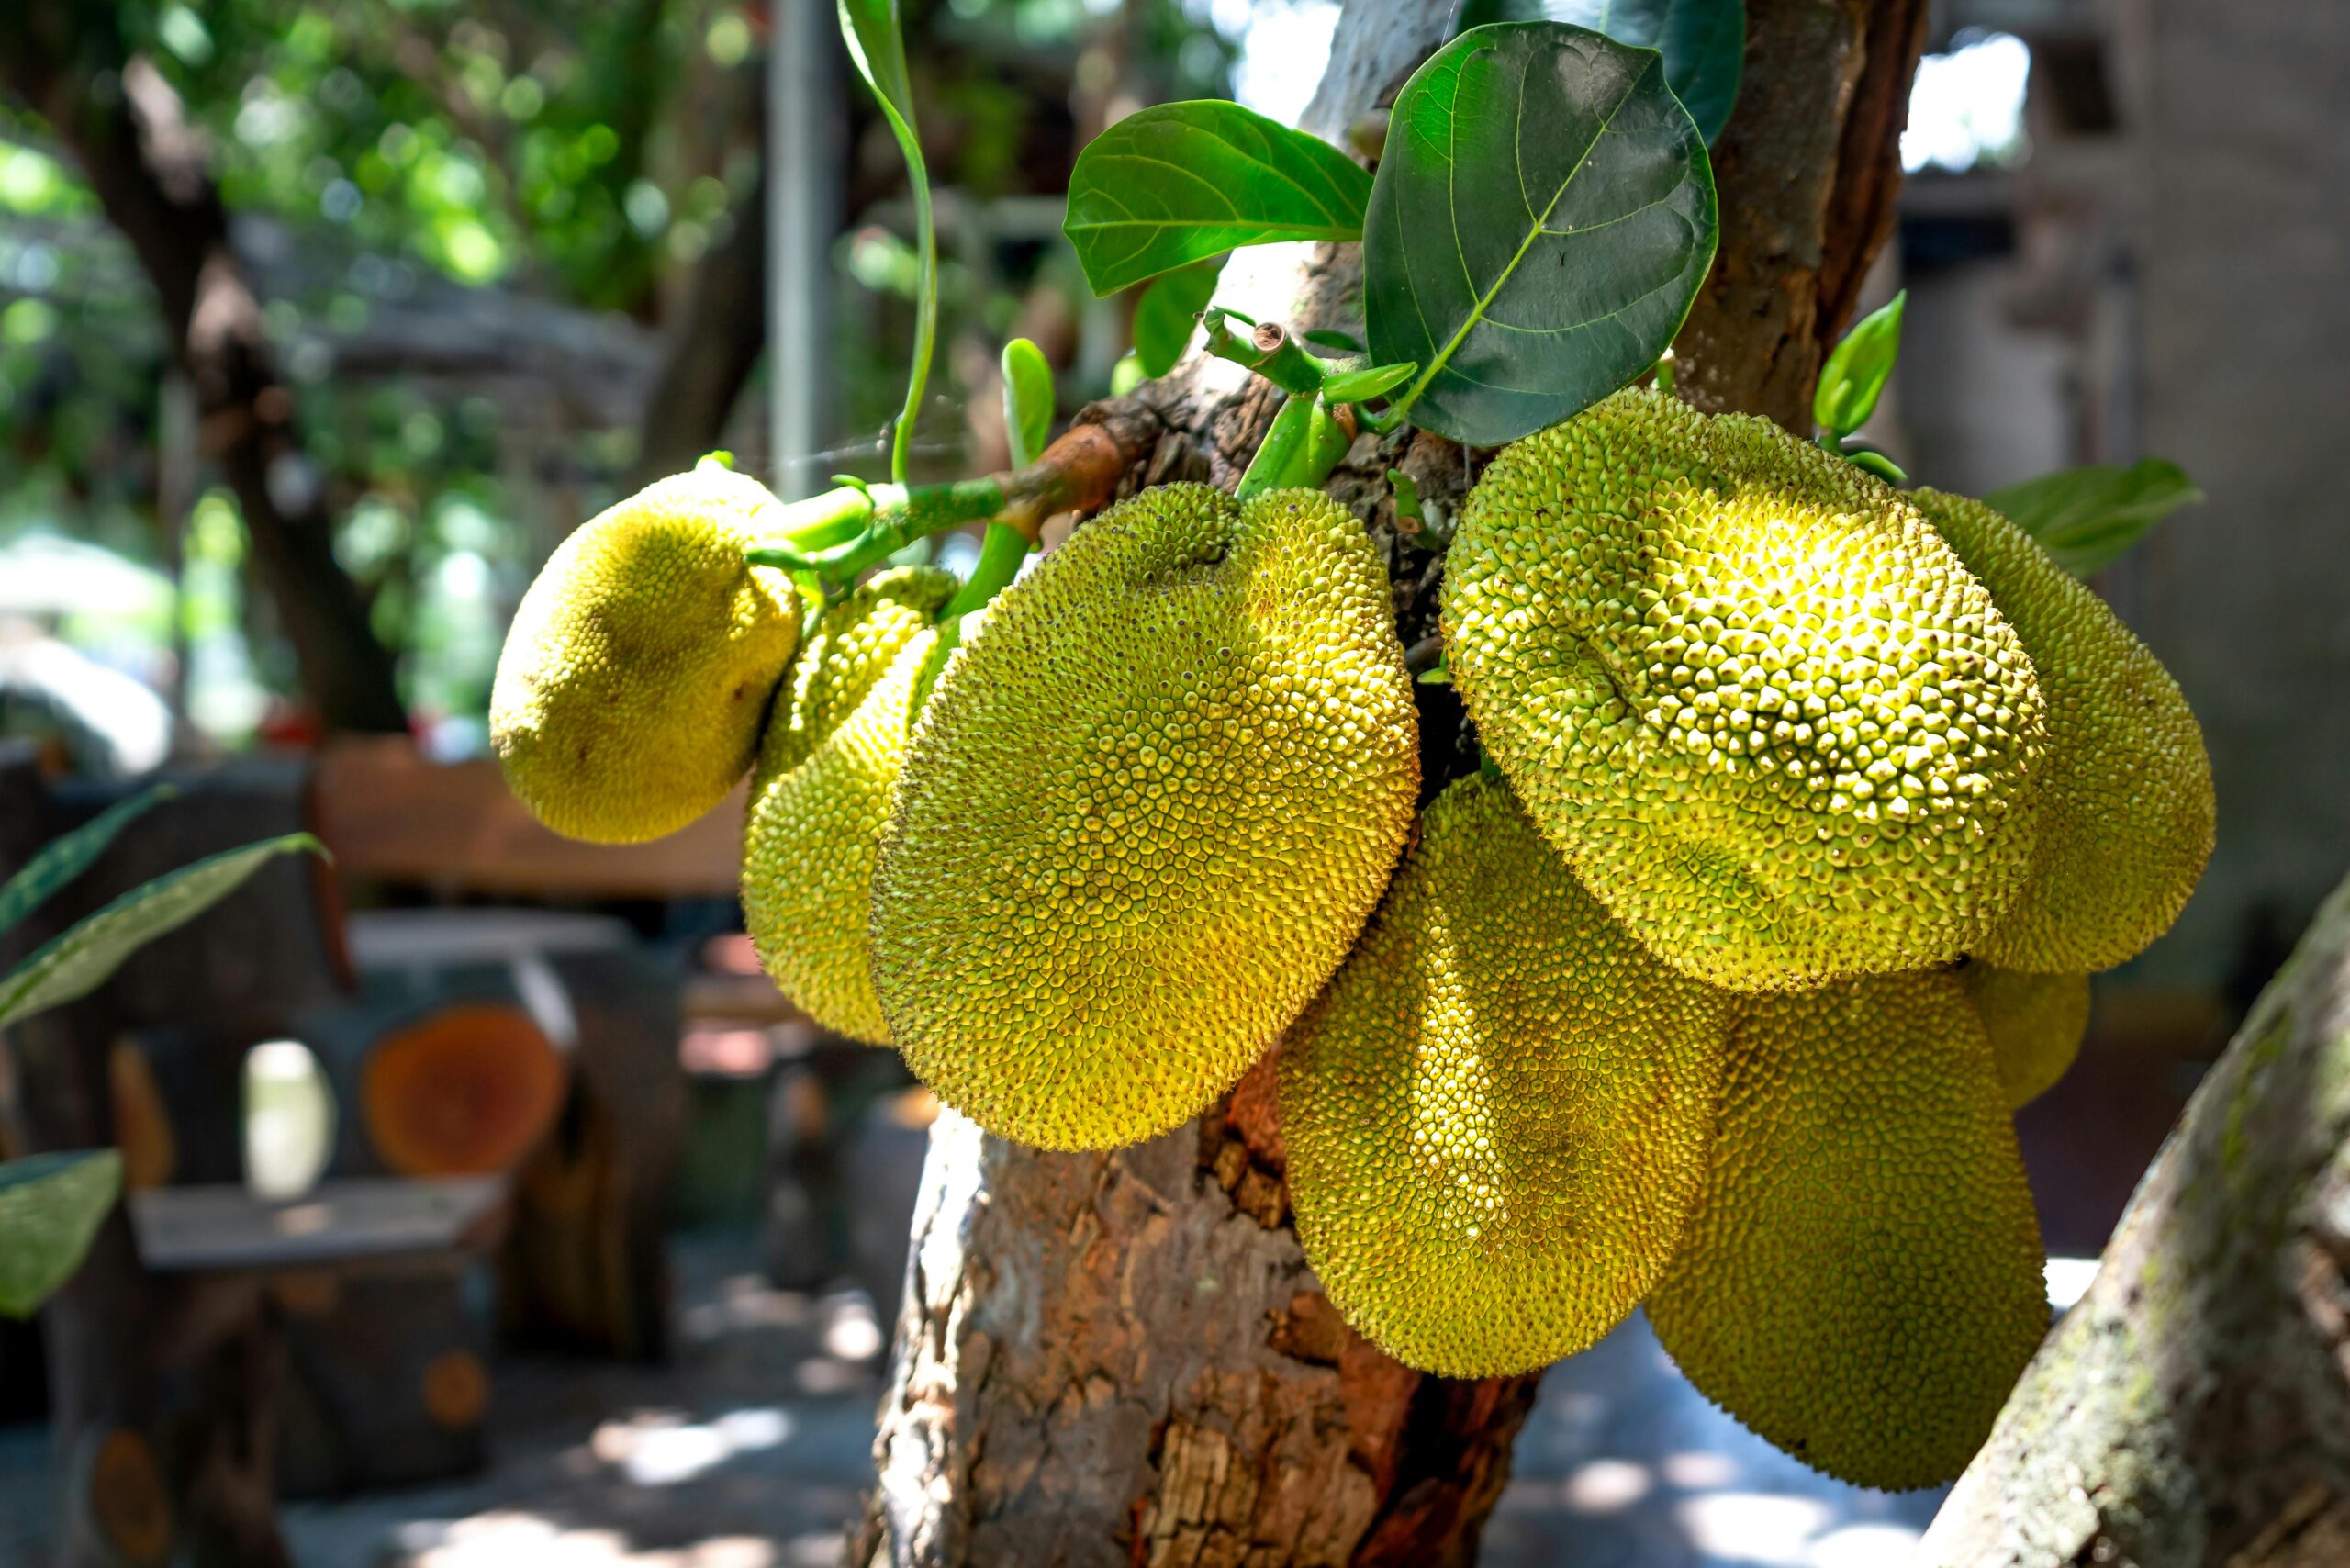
(1268,350)
(1000,551)
(1308,438)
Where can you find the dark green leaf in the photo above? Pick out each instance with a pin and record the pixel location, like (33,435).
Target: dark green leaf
(1168,313)
(1541,221)
(1181,183)
(1028,400)
(50,1207)
(79,961)
(877,44)
(1704,42)
(2088,517)
(69,855)
(1857,369)
(1371,380)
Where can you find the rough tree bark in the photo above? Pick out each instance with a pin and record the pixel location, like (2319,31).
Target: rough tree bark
(1122,1358)
(2194,1408)
(127,126)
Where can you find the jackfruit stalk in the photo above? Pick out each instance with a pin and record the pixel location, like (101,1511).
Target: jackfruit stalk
(639,667)
(821,794)
(1146,811)
(1498,1115)
(1756,703)
(1861,1281)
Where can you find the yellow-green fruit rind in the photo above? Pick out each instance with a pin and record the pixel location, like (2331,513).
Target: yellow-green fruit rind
(1860,1282)
(639,667)
(2035,1022)
(2126,813)
(1497,1114)
(1146,809)
(1751,696)
(820,795)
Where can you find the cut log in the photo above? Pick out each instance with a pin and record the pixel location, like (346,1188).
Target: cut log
(2193,1409)
(466,1091)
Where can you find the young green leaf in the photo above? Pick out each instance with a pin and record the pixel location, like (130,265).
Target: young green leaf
(79,961)
(1541,224)
(1704,42)
(1127,374)
(1168,313)
(1857,369)
(1179,183)
(877,44)
(50,1207)
(2088,517)
(1371,380)
(1028,400)
(69,855)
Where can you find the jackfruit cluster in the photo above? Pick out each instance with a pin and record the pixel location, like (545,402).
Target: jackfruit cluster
(640,665)
(1757,703)
(2126,810)
(820,796)
(1860,1282)
(1498,1115)
(1146,811)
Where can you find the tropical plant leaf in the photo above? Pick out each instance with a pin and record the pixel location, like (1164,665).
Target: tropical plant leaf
(79,961)
(1371,380)
(1168,313)
(50,1207)
(1542,219)
(1704,42)
(1181,183)
(69,855)
(1857,369)
(1028,405)
(2088,518)
(877,44)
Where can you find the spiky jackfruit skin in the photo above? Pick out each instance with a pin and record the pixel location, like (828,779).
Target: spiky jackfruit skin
(2035,1022)
(1749,695)
(2126,816)
(1497,1114)
(1860,1282)
(820,795)
(634,679)
(1146,809)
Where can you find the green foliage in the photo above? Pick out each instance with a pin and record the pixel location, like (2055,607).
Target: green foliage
(1703,41)
(1542,219)
(1181,183)
(877,44)
(69,855)
(1168,313)
(79,961)
(1857,370)
(2088,518)
(1028,401)
(50,1207)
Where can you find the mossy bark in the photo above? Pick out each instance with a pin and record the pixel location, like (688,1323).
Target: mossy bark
(1122,1358)
(2194,1407)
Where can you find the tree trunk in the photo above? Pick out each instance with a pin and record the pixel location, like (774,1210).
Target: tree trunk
(147,164)
(1122,1358)
(2194,1408)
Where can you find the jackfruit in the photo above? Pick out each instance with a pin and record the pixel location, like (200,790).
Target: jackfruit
(821,794)
(1861,1281)
(2126,812)
(1498,1113)
(633,680)
(1146,809)
(2035,1022)
(1751,696)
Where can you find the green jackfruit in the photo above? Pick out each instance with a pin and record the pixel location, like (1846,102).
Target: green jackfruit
(1861,1281)
(2035,1022)
(820,795)
(2126,812)
(1749,694)
(639,666)
(1498,1115)
(1145,811)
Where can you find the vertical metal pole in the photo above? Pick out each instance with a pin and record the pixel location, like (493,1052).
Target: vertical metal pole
(804,133)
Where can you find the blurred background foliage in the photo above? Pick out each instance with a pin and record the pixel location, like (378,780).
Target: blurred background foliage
(420,185)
